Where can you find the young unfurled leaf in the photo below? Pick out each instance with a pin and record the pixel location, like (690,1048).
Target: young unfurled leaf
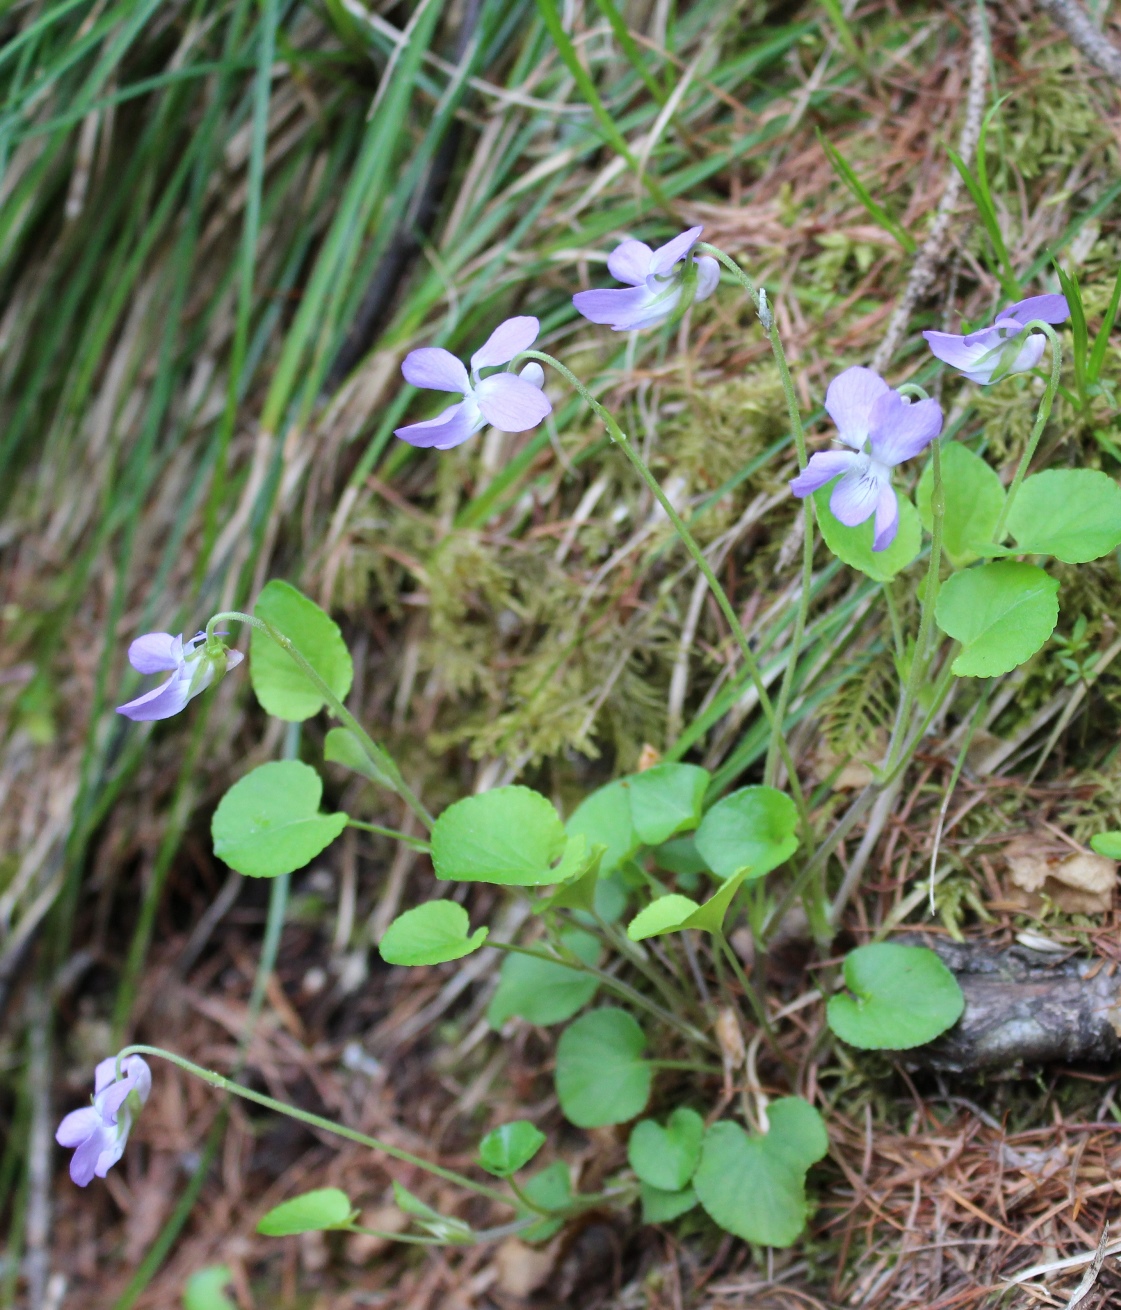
(1001,613)
(601,1076)
(755,1187)
(206,1289)
(752,828)
(667,1157)
(432,933)
(1073,514)
(341,746)
(505,1150)
(432,1221)
(974,499)
(666,914)
(1107,844)
(605,819)
(660,1207)
(510,836)
(543,991)
(901,996)
(326,1207)
(281,686)
(269,822)
(666,799)
(854,545)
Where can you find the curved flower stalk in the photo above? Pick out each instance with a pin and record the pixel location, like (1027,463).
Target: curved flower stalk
(99,1132)
(882,428)
(193,666)
(1007,347)
(657,280)
(509,401)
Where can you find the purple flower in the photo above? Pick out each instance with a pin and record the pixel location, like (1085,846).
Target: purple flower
(99,1131)
(656,280)
(991,353)
(883,429)
(193,666)
(511,402)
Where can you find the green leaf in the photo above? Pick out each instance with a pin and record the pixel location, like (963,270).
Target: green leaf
(666,914)
(432,933)
(974,500)
(206,1289)
(755,1187)
(1001,613)
(601,1076)
(505,1150)
(752,828)
(666,799)
(1073,514)
(854,545)
(341,746)
(544,992)
(680,856)
(605,819)
(709,917)
(847,175)
(447,1229)
(902,996)
(326,1207)
(551,1189)
(1107,844)
(660,1207)
(269,823)
(281,687)
(510,836)
(667,1157)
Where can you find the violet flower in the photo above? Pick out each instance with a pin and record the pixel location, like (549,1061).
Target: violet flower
(656,281)
(98,1132)
(193,666)
(883,429)
(991,354)
(508,401)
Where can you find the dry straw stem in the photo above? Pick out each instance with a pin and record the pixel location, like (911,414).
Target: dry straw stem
(1093,43)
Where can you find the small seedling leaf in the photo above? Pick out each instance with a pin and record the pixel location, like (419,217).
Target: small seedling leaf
(601,1076)
(901,996)
(206,1289)
(1107,844)
(510,836)
(752,829)
(605,819)
(666,1158)
(545,991)
(505,1150)
(666,800)
(1073,514)
(1001,613)
(432,933)
(666,914)
(326,1207)
(660,1207)
(283,689)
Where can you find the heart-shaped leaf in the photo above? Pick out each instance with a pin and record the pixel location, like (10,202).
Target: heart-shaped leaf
(660,1207)
(604,818)
(326,1207)
(432,933)
(1073,514)
(269,823)
(505,1150)
(667,1157)
(1107,844)
(1001,613)
(551,1189)
(543,991)
(755,1187)
(974,499)
(510,836)
(601,1076)
(854,545)
(666,914)
(206,1289)
(283,689)
(902,996)
(751,829)
(666,799)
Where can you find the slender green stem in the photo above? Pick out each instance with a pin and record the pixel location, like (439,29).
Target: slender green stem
(756,1003)
(417,843)
(1041,418)
(378,756)
(893,617)
(317,1121)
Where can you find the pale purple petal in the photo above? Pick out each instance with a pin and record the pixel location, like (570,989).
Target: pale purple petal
(106,1073)
(1031,352)
(435,369)
(613,305)
(887,518)
(1047,309)
(155,652)
(84,1162)
(451,428)
(708,276)
(511,403)
(822,468)
(664,258)
(630,262)
(965,353)
(849,401)
(507,339)
(533,373)
(901,428)
(233,659)
(162,702)
(113,1147)
(77,1126)
(856,496)
(110,1098)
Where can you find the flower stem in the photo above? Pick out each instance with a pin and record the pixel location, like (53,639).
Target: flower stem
(1041,418)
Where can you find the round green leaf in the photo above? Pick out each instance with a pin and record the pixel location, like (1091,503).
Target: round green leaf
(544,992)
(281,687)
(510,836)
(326,1207)
(432,933)
(551,1189)
(1073,514)
(752,828)
(666,914)
(1107,844)
(854,545)
(902,996)
(206,1290)
(974,499)
(660,1207)
(755,1187)
(1001,613)
(601,1077)
(505,1150)
(666,800)
(269,823)
(667,1157)
(605,819)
